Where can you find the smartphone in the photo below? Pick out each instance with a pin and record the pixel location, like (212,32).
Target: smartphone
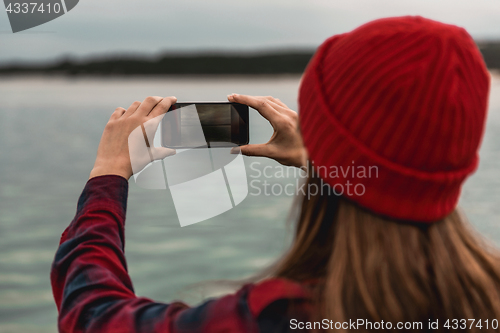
(202,124)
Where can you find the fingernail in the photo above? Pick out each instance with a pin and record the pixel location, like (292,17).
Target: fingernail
(235,150)
(229,96)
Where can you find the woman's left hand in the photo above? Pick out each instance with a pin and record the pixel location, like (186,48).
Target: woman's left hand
(122,150)
(285,145)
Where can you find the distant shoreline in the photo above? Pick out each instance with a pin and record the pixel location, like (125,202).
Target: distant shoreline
(171,64)
(208,77)
(207,64)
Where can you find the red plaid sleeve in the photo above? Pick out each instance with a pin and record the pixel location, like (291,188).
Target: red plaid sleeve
(94,293)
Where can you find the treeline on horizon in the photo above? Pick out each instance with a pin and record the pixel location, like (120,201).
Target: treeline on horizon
(284,62)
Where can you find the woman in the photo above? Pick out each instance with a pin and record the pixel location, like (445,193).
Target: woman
(398,106)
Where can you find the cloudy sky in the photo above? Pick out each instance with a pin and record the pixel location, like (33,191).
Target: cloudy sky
(99,27)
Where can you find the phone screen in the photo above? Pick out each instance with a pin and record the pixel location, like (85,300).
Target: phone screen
(189,125)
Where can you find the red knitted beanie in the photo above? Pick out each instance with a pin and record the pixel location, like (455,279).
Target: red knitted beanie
(396,108)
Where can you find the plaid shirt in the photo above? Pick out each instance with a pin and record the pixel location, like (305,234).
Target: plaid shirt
(94,293)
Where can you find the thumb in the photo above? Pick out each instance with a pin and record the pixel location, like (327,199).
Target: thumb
(252,150)
(160,153)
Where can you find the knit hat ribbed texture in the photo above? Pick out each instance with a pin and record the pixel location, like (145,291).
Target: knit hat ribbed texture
(406,96)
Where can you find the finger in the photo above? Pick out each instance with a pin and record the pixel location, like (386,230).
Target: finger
(278,107)
(117,113)
(132,108)
(252,150)
(160,153)
(258,103)
(151,126)
(277,101)
(147,105)
(163,106)
(281,109)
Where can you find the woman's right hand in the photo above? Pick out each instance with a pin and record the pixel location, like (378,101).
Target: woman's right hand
(286,145)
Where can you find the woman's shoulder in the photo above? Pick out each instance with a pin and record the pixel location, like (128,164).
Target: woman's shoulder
(263,293)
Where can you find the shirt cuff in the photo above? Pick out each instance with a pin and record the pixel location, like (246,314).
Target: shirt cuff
(105,190)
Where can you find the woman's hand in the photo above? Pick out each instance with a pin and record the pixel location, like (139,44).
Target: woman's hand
(285,145)
(123,149)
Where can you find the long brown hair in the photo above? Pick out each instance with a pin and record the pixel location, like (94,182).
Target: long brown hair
(373,268)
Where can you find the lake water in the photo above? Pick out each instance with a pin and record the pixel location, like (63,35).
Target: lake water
(49,132)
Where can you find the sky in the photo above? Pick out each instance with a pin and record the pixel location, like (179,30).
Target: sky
(149,27)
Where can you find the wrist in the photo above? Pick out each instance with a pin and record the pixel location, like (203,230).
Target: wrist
(104,171)
(301,159)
